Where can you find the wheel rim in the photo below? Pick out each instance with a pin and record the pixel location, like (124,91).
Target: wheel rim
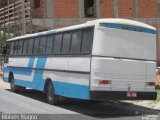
(50,93)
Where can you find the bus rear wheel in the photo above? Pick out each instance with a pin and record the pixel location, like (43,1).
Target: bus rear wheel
(51,97)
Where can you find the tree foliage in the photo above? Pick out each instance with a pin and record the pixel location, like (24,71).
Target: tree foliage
(3,38)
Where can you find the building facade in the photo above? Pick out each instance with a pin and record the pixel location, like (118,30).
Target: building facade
(50,14)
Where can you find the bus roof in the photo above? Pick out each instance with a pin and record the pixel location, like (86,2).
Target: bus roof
(88,24)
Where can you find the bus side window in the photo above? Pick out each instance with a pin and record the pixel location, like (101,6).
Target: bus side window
(36,46)
(20,47)
(76,42)
(12,48)
(66,43)
(16,48)
(42,46)
(57,44)
(87,39)
(8,46)
(30,46)
(49,45)
(25,45)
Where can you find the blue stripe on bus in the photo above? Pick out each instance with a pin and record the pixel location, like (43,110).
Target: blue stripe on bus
(31,62)
(19,71)
(5,79)
(46,32)
(128,27)
(65,89)
(38,75)
(71,90)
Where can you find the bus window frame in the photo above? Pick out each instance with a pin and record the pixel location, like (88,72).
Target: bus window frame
(52,52)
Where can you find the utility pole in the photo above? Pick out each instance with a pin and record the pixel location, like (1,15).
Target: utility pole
(9,28)
(23,18)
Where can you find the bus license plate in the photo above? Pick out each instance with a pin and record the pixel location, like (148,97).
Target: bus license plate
(131,94)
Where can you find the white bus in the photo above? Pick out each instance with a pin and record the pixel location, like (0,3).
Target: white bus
(104,59)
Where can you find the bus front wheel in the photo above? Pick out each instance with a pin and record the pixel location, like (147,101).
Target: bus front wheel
(14,88)
(51,97)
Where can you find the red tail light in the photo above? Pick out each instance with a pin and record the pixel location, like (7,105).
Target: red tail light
(105,82)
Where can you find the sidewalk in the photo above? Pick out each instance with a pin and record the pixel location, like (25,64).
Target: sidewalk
(3,84)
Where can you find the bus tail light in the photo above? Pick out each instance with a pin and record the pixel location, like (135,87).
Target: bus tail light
(150,83)
(104,82)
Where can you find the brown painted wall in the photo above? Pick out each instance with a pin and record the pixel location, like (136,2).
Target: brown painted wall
(66,9)
(106,7)
(125,8)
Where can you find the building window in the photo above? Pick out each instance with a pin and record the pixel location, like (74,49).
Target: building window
(89,8)
(36,3)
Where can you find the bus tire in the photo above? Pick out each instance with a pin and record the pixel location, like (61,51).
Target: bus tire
(51,97)
(14,88)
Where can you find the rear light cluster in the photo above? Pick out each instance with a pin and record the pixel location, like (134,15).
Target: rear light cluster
(150,83)
(104,82)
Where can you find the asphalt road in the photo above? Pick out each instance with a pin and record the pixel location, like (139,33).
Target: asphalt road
(34,102)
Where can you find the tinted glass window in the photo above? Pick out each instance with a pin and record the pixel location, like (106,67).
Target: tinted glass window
(36,46)
(12,48)
(16,48)
(42,46)
(20,47)
(66,43)
(76,42)
(30,46)
(25,45)
(87,40)
(57,43)
(8,48)
(49,44)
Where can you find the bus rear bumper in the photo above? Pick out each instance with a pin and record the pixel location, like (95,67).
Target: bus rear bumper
(120,95)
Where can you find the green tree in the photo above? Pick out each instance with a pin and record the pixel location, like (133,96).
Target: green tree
(3,38)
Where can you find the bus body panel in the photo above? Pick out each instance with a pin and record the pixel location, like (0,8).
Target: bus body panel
(114,42)
(125,75)
(69,78)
